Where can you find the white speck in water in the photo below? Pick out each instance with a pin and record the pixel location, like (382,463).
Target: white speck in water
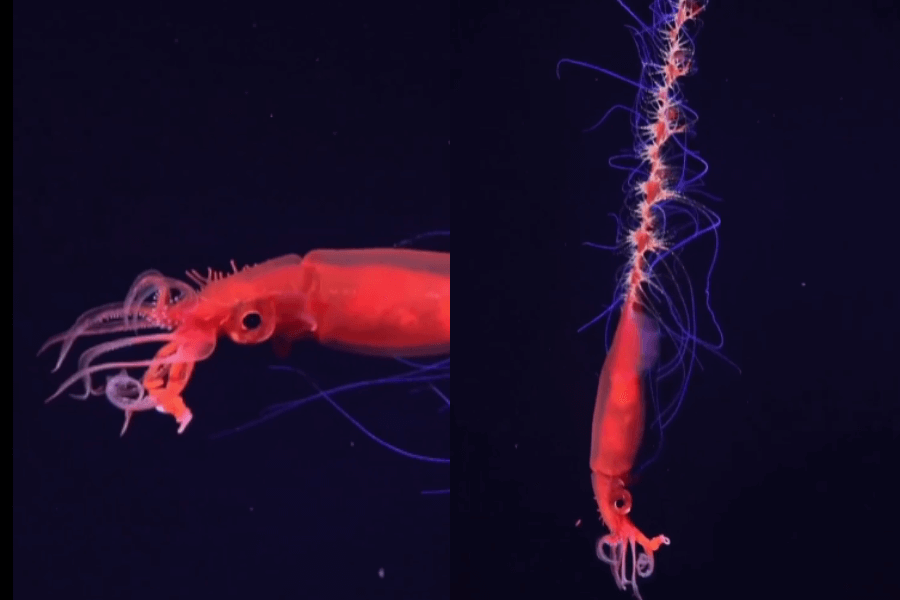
(381,573)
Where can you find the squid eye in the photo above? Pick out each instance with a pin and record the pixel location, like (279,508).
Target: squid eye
(251,320)
(622,503)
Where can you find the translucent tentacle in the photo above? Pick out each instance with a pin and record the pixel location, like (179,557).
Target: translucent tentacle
(152,289)
(103,320)
(129,395)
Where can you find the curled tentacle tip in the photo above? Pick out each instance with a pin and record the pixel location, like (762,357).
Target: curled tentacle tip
(58,364)
(184,421)
(46,345)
